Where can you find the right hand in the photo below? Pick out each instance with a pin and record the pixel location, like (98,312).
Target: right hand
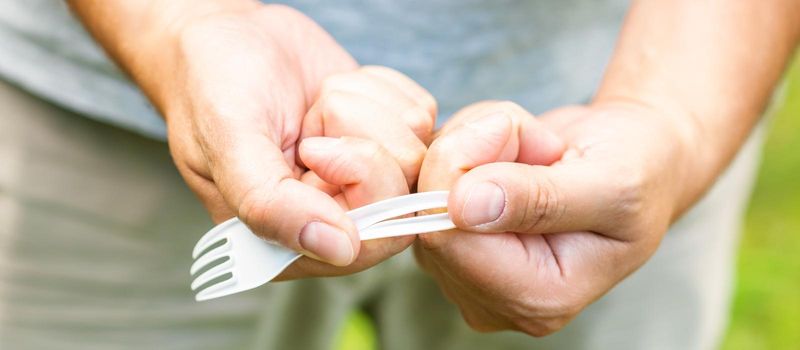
(235,87)
(355,172)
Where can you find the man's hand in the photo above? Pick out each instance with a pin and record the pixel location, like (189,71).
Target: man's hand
(240,84)
(687,82)
(355,172)
(568,232)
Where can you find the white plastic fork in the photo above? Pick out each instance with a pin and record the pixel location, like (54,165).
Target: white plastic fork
(252,261)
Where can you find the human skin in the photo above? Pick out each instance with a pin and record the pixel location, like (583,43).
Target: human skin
(688,81)
(240,85)
(637,157)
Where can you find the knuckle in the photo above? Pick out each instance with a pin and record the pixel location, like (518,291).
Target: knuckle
(365,156)
(630,191)
(413,153)
(442,144)
(379,70)
(351,165)
(477,323)
(542,205)
(410,159)
(333,82)
(431,242)
(427,241)
(542,320)
(418,120)
(430,105)
(335,103)
(507,106)
(254,210)
(366,150)
(423,98)
(540,316)
(341,166)
(283,9)
(539,328)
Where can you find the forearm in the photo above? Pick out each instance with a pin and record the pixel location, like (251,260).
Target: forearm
(137,34)
(710,66)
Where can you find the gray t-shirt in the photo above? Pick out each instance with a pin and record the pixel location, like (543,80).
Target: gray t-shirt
(538,53)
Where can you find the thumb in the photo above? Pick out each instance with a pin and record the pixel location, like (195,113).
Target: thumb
(485,140)
(253,176)
(522,198)
(486,134)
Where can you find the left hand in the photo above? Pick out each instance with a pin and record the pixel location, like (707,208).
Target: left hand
(550,235)
(363,140)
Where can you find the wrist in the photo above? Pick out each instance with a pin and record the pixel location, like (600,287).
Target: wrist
(177,59)
(679,153)
(152,55)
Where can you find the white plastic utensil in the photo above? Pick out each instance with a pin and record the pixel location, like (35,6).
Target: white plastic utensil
(230,248)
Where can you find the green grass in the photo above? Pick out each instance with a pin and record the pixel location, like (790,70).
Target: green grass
(358,334)
(766,307)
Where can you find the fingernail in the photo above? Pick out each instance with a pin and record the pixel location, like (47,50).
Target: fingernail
(320,143)
(327,243)
(485,203)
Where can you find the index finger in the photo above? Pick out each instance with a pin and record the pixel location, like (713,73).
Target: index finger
(253,177)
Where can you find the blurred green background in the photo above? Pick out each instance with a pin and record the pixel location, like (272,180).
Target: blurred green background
(766,306)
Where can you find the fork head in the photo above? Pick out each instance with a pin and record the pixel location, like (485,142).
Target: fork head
(230,259)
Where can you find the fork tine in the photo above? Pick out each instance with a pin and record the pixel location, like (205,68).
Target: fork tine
(222,245)
(209,257)
(213,236)
(218,290)
(212,273)
(210,247)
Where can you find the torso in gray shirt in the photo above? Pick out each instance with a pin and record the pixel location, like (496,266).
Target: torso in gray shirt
(539,53)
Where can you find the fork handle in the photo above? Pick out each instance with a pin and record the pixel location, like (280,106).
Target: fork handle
(407,226)
(374,213)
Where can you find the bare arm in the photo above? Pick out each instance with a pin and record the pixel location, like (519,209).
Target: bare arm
(134,32)
(240,84)
(711,65)
(688,81)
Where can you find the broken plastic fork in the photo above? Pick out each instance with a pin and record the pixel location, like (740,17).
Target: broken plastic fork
(230,248)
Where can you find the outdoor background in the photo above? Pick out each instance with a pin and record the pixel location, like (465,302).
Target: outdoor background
(766,307)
